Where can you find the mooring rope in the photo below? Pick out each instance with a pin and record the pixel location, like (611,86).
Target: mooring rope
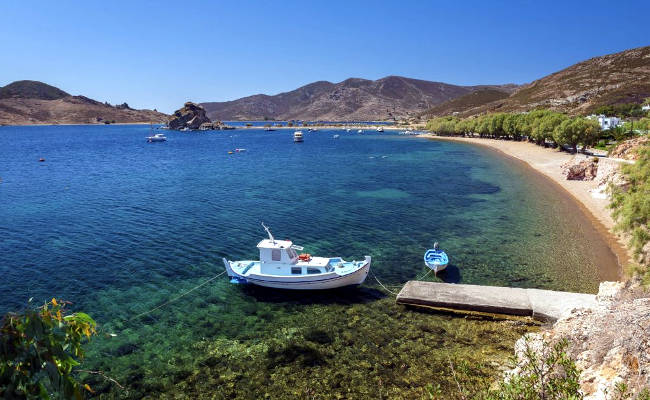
(176,298)
(425,275)
(398,286)
(382,285)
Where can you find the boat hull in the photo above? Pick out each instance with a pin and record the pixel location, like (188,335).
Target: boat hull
(304,282)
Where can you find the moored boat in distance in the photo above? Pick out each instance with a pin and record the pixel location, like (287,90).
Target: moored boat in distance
(158,137)
(436,259)
(336,136)
(281,267)
(297,137)
(380,129)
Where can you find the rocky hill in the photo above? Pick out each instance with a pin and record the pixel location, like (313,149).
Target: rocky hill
(393,97)
(467,103)
(611,79)
(33,102)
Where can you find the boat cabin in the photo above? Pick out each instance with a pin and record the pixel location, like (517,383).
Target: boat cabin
(279,257)
(277,251)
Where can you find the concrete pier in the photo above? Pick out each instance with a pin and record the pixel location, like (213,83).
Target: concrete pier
(543,305)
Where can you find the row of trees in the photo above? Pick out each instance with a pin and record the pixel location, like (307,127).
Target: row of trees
(539,126)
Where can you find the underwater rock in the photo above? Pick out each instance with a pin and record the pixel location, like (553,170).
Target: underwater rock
(125,349)
(318,336)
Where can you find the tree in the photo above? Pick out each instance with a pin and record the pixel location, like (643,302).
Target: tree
(576,130)
(546,126)
(39,348)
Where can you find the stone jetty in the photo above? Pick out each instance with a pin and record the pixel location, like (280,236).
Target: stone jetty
(543,305)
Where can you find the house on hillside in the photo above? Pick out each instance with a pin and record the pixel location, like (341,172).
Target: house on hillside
(646,107)
(607,122)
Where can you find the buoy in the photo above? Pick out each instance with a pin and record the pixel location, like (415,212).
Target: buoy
(230,152)
(41,159)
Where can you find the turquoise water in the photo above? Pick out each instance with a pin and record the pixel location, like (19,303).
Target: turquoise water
(119,226)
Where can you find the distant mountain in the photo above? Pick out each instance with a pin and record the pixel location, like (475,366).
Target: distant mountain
(33,102)
(393,97)
(611,79)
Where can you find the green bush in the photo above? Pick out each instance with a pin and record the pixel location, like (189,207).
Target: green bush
(39,348)
(631,205)
(549,373)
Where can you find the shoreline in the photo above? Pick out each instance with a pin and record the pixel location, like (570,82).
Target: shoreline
(547,162)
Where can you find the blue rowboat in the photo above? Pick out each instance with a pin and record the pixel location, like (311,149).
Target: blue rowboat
(436,259)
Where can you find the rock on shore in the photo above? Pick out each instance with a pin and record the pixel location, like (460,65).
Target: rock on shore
(584,170)
(609,342)
(190,116)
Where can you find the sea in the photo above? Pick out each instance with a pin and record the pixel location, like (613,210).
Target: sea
(133,233)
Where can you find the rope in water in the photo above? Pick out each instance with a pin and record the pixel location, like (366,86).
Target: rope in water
(176,298)
(382,285)
(390,291)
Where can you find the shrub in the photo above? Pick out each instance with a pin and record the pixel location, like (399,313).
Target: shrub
(39,348)
(547,373)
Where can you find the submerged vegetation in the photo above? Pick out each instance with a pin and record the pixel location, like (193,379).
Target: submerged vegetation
(39,349)
(540,126)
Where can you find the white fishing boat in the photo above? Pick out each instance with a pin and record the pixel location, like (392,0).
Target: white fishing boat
(380,129)
(297,137)
(186,129)
(281,267)
(158,137)
(359,131)
(348,130)
(336,136)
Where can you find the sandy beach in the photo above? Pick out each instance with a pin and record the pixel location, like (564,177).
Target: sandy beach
(548,162)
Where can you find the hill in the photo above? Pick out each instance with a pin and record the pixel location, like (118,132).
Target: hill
(611,79)
(468,102)
(33,102)
(392,97)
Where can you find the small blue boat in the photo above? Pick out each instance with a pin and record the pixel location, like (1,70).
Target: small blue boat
(436,259)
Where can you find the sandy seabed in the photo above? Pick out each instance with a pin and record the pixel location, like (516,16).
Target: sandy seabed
(548,162)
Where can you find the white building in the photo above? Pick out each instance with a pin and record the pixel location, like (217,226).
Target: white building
(607,122)
(646,107)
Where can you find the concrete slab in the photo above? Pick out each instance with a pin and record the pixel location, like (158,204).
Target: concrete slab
(544,305)
(550,305)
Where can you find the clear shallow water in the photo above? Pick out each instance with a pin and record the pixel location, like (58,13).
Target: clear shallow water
(119,226)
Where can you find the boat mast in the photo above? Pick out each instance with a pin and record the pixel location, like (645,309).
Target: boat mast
(269,232)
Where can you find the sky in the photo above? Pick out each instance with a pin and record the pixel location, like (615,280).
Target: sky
(159,54)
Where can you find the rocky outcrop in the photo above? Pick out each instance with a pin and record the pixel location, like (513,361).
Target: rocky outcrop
(609,342)
(627,149)
(190,116)
(584,170)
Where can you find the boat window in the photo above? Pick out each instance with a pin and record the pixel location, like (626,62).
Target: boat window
(296,270)
(276,255)
(313,271)
(292,253)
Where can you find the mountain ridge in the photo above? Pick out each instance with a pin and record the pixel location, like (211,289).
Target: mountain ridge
(389,98)
(622,77)
(29,102)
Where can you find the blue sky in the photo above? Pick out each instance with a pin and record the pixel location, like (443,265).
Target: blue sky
(158,54)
